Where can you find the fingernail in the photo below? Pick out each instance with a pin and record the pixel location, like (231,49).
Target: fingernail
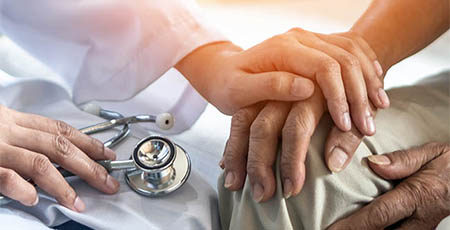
(370,124)
(229,179)
(297,88)
(258,192)
(383,97)
(109,154)
(35,202)
(346,121)
(112,183)
(287,188)
(337,160)
(222,163)
(378,68)
(79,204)
(379,159)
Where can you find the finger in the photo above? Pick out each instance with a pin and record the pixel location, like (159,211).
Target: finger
(341,146)
(368,51)
(235,156)
(375,93)
(297,131)
(91,146)
(15,187)
(62,151)
(384,211)
(39,168)
(263,144)
(352,76)
(280,86)
(403,163)
(418,224)
(373,80)
(314,64)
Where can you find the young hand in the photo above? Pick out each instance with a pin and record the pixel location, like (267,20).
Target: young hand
(343,65)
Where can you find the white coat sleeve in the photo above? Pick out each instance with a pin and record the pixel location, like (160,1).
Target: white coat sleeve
(106,49)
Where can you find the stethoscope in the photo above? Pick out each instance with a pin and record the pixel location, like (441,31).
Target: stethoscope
(157,166)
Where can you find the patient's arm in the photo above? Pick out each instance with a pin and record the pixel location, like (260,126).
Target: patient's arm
(418,114)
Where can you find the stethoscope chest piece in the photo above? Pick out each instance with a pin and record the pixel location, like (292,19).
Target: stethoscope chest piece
(161,167)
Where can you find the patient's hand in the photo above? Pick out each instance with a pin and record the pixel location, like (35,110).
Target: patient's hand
(419,202)
(253,143)
(28,146)
(343,65)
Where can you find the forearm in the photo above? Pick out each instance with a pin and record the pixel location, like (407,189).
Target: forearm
(400,28)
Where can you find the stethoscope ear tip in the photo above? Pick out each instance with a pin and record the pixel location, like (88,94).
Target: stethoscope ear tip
(165,121)
(91,108)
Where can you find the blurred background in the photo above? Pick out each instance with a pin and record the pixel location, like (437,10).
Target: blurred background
(247,22)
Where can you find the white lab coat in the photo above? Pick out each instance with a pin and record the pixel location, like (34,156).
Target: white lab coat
(111,52)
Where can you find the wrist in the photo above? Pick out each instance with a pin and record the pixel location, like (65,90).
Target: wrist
(202,67)
(377,45)
(194,64)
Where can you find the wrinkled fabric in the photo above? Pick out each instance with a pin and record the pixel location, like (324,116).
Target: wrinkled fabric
(109,50)
(418,114)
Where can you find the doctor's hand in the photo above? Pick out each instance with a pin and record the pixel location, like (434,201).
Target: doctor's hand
(29,144)
(420,201)
(343,66)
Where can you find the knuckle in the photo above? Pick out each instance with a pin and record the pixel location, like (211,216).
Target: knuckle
(233,154)
(349,44)
(276,84)
(98,172)
(41,164)
(281,38)
(302,126)
(254,168)
(241,120)
(289,164)
(437,147)
(99,147)
(62,146)
(379,214)
(68,197)
(7,177)
(64,129)
(262,129)
(329,65)
(297,30)
(349,61)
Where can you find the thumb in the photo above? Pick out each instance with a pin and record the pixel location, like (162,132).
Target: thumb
(403,163)
(277,86)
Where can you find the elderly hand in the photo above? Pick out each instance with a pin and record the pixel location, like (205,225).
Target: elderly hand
(252,146)
(420,201)
(343,65)
(28,146)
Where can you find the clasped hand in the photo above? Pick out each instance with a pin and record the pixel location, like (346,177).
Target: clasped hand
(348,78)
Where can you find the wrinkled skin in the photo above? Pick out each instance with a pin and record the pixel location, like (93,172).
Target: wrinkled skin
(29,144)
(421,199)
(256,130)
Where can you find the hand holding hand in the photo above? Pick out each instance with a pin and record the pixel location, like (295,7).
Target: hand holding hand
(255,130)
(343,66)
